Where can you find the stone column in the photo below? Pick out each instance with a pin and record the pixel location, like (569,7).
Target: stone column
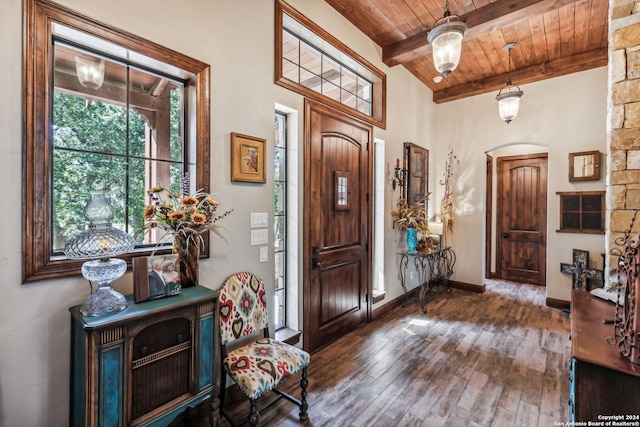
(623,127)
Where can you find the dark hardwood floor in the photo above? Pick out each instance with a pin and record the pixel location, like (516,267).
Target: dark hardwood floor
(495,359)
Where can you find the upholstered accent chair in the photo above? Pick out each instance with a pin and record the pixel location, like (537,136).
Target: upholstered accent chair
(255,362)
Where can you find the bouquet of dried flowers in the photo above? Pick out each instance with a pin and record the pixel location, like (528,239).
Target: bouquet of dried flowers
(183,215)
(410,216)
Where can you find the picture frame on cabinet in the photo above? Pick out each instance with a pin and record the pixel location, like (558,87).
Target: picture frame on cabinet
(155,277)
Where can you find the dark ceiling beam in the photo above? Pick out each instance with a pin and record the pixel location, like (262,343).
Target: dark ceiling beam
(547,70)
(481,21)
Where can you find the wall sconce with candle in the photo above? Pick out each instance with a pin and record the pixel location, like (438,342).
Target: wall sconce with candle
(400,175)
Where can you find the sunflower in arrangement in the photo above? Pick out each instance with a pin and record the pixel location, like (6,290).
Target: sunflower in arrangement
(183,215)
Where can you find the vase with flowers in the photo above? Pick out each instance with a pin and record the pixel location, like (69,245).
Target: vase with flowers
(184,217)
(411,218)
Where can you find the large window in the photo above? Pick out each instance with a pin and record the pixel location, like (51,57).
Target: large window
(312,62)
(111,111)
(121,131)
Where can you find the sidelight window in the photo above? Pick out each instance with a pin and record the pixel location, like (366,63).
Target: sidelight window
(280,218)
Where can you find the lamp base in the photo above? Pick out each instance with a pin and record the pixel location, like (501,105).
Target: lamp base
(104,300)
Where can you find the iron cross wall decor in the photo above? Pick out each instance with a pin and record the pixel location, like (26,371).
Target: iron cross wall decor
(580,270)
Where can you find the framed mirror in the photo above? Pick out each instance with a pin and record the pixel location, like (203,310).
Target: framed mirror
(584,166)
(417,187)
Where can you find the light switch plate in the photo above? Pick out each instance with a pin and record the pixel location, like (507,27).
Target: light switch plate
(264,254)
(259,219)
(259,237)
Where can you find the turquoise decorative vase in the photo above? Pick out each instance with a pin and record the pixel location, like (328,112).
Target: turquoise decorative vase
(412,240)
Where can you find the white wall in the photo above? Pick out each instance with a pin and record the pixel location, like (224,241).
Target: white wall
(562,115)
(236,38)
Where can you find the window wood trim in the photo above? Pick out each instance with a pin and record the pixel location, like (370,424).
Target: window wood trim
(580,212)
(379,91)
(38,261)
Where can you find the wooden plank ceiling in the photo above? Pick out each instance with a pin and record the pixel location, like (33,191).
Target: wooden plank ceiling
(554,38)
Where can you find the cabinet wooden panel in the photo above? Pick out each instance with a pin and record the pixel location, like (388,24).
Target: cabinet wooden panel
(152,364)
(603,382)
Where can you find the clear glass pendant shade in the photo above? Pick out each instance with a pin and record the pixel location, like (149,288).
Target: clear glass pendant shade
(509,102)
(446,41)
(90,72)
(446,52)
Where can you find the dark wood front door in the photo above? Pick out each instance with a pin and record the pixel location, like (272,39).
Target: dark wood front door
(522,218)
(337,222)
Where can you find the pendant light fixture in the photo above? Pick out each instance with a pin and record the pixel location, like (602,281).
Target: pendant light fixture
(90,72)
(446,39)
(509,96)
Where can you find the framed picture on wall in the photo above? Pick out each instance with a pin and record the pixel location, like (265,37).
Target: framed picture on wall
(584,166)
(247,158)
(417,173)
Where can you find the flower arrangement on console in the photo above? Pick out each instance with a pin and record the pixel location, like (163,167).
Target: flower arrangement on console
(410,216)
(413,219)
(184,217)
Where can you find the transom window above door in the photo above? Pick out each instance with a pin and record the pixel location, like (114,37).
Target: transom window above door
(313,63)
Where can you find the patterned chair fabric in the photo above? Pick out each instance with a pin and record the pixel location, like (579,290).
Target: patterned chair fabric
(243,307)
(261,365)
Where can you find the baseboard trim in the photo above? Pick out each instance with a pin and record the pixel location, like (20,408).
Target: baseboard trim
(558,303)
(397,302)
(468,286)
(394,303)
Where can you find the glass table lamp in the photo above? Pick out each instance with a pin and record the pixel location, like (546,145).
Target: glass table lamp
(98,243)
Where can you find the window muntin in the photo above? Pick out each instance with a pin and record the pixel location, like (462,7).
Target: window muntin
(49,27)
(312,62)
(315,69)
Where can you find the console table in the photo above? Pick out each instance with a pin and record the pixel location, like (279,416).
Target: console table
(151,364)
(602,381)
(434,269)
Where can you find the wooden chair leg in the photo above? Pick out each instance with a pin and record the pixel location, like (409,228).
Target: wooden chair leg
(303,395)
(253,414)
(223,387)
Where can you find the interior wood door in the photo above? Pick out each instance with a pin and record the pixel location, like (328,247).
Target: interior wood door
(522,218)
(337,223)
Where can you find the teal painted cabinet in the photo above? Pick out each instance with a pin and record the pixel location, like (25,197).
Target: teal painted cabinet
(152,364)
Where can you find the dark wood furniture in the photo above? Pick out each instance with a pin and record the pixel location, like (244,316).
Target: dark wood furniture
(603,382)
(151,364)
